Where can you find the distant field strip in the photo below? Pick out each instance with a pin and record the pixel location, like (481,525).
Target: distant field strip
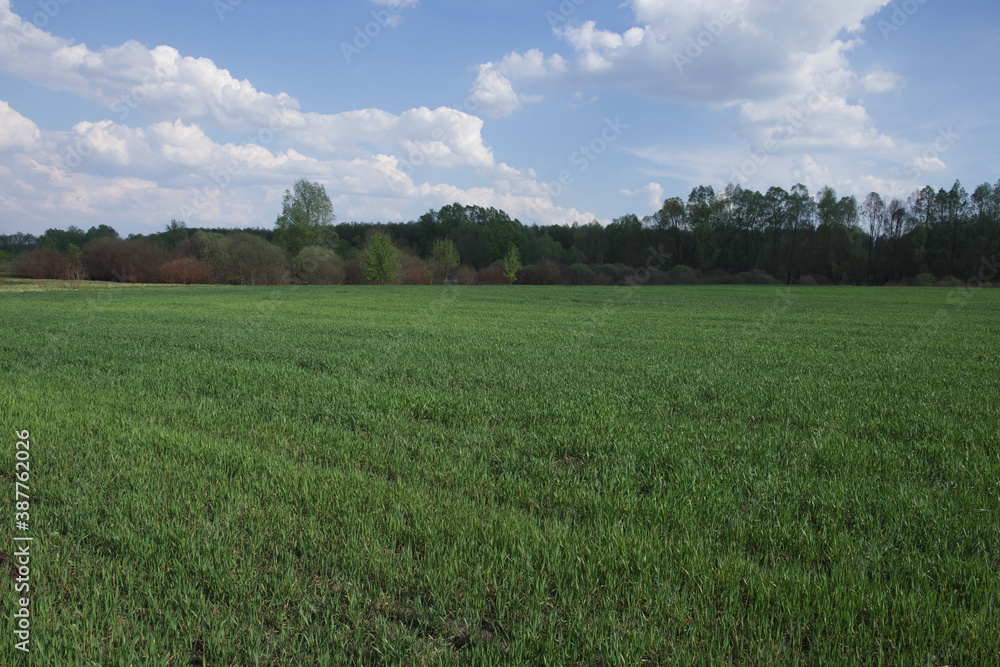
(482,476)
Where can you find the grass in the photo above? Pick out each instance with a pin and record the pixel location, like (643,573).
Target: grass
(477,476)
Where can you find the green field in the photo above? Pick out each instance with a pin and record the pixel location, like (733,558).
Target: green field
(592,476)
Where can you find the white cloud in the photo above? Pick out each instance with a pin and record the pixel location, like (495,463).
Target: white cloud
(927,164)
(167,86)
(653,193)
(881,81)
(494,93)
(146,176)
(16,131)
(760,56)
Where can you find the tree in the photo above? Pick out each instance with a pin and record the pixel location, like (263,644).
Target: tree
(318,266)
(511,264)
(444,261)
(874,211)
(379,261)
(306,218)
(251,260)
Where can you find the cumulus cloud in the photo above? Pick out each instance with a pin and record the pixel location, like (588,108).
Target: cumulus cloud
(653,194)
(16,131)
(494,92)
(173,169)
(760,56)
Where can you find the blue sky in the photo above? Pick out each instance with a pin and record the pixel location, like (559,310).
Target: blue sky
(135,113)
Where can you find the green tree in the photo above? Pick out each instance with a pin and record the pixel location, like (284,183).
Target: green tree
(444,261)
(512,264)
(380,262)
(319,266)
(306,218)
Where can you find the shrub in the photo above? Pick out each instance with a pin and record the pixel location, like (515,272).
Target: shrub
(759,277)
(42,263)
(251,260)
(114,260)
(144,261)
(924,280)
(316,265)
(547,273)
(808,281)
(353,274)
(604,280)
(107,259)
(682,275)
(606,273)
(465,276)
(950,281)
(579,274)
(491,275)
(186,271)
(413,271)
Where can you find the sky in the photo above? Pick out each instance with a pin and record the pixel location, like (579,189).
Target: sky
(135,113)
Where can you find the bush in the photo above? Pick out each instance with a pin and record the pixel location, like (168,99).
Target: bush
(547,273)
(604,280)
(950,281)
(465,276)
(42,263)
(657,277)
(580,274)
(145,259)
(808,281)
(251,260)
(107,259)
(413,271)
(133,261)
(607,274)
(353,274)
(186,271)
(924,280)
(316,265)
(492,275)
(759,277)
(682,275)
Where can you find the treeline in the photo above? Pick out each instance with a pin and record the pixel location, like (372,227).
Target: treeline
(736,235)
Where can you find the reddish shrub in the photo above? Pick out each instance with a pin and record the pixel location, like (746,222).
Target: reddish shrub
(413,271)
(42,263)
(547,273)
(353,275)
(491,275)
(186,271)
(112,259)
